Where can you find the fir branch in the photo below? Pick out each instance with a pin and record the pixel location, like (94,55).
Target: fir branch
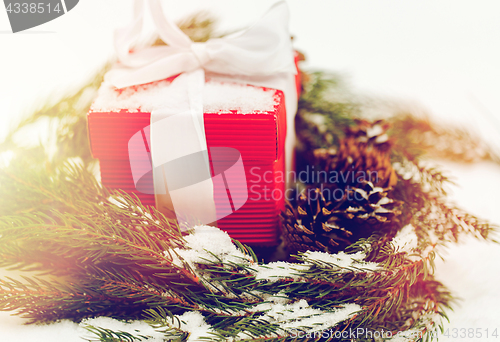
(108,335)
(420,136)
(106,295)
(327,108)
(34,186)
(67,117)
(423,189)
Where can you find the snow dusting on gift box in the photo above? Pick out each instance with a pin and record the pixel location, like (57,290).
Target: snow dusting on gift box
(218,97)
(247,118)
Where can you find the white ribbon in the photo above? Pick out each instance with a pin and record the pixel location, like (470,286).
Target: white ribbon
(261,55)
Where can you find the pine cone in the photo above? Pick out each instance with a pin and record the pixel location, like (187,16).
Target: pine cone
(308,226)
(329,222)
(366,209)
(363,155)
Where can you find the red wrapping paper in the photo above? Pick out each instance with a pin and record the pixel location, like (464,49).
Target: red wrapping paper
(259,137)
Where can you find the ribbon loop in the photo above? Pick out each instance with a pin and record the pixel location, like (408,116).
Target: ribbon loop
(168,31)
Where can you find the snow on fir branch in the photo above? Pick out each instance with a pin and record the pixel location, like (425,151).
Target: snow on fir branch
(278,309)
(129,270)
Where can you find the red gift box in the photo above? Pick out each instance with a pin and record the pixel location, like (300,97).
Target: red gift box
(259,136)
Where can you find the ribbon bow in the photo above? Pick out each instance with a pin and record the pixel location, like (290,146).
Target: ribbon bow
(261,55)
(264,49)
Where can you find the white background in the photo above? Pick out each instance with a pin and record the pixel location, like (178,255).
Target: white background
(442,54)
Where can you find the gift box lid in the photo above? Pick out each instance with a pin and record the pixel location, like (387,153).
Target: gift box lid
(248,118)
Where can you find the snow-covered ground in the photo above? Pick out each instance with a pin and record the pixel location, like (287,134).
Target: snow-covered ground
(443,55)
(471,269)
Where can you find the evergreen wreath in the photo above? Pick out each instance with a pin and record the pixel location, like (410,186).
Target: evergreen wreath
(97,252)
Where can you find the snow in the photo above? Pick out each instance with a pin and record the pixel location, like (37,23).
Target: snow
(318,120)
(373,131)
(195,325)
(116,201)
(225,97)
(67,331)
(299,315)
(12,330)
(133,327)
(406,240)
(342,261)
(470,269)
(205,244)
(218,97)
(6,157)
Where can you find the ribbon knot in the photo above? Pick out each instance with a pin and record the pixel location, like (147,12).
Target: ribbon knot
(201,53)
